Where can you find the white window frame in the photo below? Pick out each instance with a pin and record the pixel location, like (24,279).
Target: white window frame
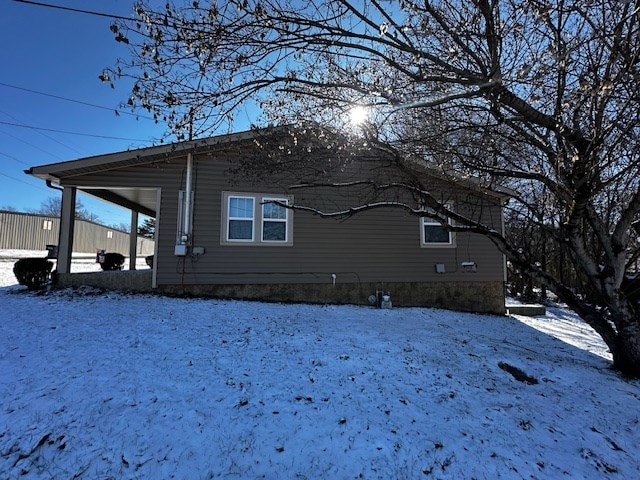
(259,202)
(243,219)
(433,222)
(47,225)
(263,204)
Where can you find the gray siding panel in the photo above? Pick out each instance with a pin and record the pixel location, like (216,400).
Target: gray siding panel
(23,231)
(26,232)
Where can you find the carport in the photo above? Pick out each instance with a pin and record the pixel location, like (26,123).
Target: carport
(69,177)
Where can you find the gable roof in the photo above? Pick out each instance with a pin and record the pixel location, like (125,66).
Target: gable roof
(144,200)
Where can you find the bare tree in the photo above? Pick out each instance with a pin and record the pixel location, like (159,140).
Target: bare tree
(52,206)
(538,95)
(123,227)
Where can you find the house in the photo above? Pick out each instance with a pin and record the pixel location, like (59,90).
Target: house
(223,227)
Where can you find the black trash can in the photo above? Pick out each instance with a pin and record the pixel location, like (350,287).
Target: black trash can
(52,251)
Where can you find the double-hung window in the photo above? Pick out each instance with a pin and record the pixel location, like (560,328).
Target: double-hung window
(241,212)
(274,219)
(434,234)
(256,219)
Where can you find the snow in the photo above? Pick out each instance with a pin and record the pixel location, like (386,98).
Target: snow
(100,384)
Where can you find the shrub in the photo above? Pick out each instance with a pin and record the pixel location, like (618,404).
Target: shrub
(112,261)
(34,273)
(149,260)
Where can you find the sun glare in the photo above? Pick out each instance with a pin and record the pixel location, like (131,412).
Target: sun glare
(358,114)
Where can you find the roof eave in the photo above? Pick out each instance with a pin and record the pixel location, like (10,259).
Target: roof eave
(56,171)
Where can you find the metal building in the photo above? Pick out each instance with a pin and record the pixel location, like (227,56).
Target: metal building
(32,231)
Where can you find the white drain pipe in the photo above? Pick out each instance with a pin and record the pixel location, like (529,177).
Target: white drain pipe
(186,224)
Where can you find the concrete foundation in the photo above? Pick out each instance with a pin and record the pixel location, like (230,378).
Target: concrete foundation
(485,297)
(124,280)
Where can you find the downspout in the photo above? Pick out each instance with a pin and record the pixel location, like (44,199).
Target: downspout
(51,185)
(184,241)
(186,225)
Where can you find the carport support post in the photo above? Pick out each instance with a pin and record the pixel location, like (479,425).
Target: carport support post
(133,240)
(67,224)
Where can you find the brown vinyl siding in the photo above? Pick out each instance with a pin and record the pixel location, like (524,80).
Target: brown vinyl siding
(378,245)
(167,176)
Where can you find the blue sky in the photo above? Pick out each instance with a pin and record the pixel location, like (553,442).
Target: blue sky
(60,53)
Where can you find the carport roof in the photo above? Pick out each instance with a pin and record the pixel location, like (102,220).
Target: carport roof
(138,199)
(54,172)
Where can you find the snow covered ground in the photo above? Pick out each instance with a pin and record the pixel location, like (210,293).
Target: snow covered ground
(102,385)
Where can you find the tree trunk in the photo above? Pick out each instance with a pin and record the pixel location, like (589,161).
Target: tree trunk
(623,340)
(626,351)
